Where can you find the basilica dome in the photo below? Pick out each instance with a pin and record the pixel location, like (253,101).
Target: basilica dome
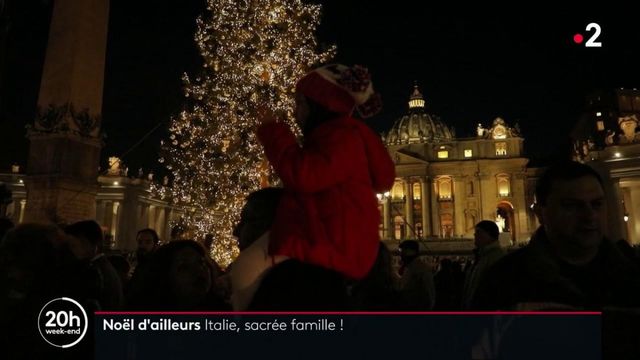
(417,126)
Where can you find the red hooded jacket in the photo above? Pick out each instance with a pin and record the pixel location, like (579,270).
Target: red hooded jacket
(328,214)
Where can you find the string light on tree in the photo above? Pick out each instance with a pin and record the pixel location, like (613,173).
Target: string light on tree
(254,51)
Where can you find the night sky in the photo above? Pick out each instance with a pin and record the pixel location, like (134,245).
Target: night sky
(520,65)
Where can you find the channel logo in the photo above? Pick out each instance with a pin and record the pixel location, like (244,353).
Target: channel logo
(592,41)
(62,322)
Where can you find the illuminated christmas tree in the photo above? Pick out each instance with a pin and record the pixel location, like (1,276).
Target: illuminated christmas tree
(254,51)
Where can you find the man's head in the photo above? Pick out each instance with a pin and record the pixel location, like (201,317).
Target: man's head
(30,255)
(486,232)
(86,238)
(409,250)
(147,240)
(257,215)
(571,206)
(177,233)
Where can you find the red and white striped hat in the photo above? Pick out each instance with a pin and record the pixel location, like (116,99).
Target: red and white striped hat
(341,89)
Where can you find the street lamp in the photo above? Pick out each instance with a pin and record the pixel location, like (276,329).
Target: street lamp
(383,196)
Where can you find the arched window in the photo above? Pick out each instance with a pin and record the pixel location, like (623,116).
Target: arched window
(397,192)
(417,191)
(444,188)
(501,148)
(503,184)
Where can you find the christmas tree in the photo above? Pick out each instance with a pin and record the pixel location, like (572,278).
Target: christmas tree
(254,51)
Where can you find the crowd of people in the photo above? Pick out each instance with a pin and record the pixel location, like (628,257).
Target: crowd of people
(313,243)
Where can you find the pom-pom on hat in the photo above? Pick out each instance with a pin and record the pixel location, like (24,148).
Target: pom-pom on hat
(340,89)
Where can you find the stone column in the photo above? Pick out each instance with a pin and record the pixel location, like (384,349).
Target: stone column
(436,228)
(151,219)
(129,220)
(23,204)
(425,204)
(386,215)
(144,216)
(633,210)
(160,221)
(408,209)
(108,218)
(458,205)
(487,196)
(518,190)
(114,221)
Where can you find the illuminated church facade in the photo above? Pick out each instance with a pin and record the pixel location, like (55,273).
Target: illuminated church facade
(445,185)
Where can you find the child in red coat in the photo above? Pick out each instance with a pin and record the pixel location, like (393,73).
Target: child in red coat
(328,214)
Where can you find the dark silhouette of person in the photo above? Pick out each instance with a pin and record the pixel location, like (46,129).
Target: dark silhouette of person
(147,241)
(417,288)
(86,242)
(257,215)
(34,269)
(178,276)
(378,290)
(296,286)
(448,282)
(487,252)
(122,267)
(5,225)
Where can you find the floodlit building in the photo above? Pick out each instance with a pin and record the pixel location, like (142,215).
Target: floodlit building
(446,184)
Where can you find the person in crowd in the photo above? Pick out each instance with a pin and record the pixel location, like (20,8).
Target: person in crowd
(628,251)
(417,289)
(255,221)
(30,255)
(448,283)
(207,243)
(86,243)
(178,276)
(378,290)
(34,261)
(177,233)
(569,263)
(328,213)
(122,267)
(257,215)
(147,241)
(5,225)
(293,285)
(487,252)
